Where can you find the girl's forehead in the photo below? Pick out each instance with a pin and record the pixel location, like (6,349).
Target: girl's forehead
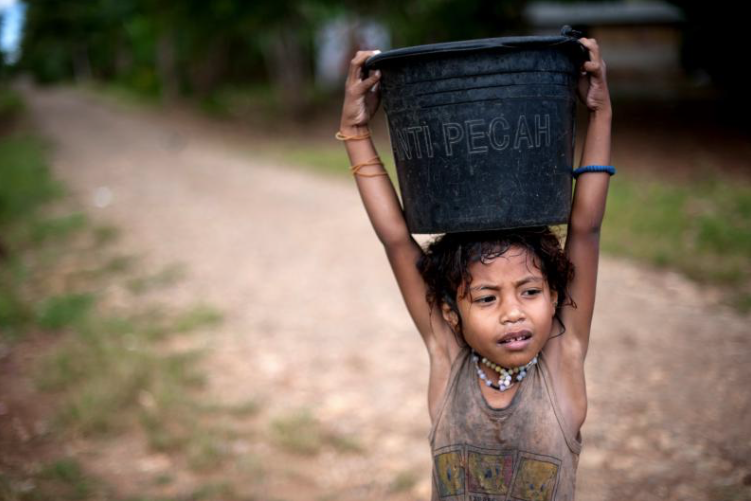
(516,262)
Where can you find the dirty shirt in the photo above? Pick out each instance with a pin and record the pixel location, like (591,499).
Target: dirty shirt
(519,453)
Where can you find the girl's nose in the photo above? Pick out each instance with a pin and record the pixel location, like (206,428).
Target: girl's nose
(512,314)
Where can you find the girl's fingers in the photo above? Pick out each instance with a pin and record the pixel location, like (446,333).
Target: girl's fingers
(591,66)
(355,66)
(591,45)
(371,80)
(594,64)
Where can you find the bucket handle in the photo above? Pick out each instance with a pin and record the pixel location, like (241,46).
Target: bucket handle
(568,31)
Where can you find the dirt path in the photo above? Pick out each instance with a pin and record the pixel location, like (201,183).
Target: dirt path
(314,318)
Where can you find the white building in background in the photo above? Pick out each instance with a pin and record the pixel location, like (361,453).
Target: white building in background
(641,42)
(337,42)
(12,14)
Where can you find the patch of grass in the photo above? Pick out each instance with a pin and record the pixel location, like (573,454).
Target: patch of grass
(62,479)
(57,312)
(142,92)
(404,481)
(103,367)
(251,466)
(110,371)
(69,475)
(239,102)
(327,158)
(105,234)
(730,492)
(210,491)
(169,275)
(244,409)
(164,479)
(209,448)
(699,227)
(56,228)
(199,315)
(344,443)
(215,491)
(15,312)
(742,302)
(248,408)
(299,432)
(11,105)
(26,186)
(26,180)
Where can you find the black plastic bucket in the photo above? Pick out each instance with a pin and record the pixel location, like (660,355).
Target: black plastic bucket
(482,131)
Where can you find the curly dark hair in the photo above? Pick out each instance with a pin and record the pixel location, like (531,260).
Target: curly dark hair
(445,264)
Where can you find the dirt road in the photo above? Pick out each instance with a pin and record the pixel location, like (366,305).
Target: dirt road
(315,321)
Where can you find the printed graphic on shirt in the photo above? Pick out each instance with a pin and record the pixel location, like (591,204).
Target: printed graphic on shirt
(489,473)
(465,472)
(536,479)
(450,472)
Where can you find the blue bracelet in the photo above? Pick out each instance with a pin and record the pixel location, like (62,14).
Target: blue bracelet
(594,168)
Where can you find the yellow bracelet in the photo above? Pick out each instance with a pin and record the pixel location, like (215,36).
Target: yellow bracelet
(373,161)
(343,137)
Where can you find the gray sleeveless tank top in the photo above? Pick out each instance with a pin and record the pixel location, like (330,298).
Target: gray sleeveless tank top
(520,452)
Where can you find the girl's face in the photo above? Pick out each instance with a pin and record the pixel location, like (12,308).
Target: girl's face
(508,311)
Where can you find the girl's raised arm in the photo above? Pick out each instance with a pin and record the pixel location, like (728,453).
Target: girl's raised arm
(588,208)
(379,197)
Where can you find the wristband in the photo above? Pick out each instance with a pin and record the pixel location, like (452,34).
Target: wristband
(593,168)
(355,169)
(343,137)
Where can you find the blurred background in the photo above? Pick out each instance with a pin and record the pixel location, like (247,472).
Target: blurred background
(193,305)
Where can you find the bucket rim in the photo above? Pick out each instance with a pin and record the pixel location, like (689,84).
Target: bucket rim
(479,45)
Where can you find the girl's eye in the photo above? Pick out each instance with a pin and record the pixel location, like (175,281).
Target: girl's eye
(485,299)
(532,292)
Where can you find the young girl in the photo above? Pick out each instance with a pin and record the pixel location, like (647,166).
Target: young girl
(503,316)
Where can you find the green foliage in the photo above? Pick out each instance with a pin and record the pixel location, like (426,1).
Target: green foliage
(108,368)
(11,106)
(69,475)
(196,48)
(57,312)
(26,180)
(701,227)
(62,479)
(55,228)
(26,187)
(415,22)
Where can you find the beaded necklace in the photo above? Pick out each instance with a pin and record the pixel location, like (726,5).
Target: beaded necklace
(505,376)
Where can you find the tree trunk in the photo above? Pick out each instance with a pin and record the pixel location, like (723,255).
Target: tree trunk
(81,63)
(288,69)
(166,66)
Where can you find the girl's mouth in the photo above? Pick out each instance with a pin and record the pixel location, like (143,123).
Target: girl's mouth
(523,337)
(516,340)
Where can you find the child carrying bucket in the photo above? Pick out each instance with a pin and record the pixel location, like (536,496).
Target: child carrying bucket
(505,315)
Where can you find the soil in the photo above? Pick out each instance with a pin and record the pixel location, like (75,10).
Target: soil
(314,319)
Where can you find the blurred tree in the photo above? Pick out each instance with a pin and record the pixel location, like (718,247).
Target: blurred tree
(431,21)
(196,46)
(713,36)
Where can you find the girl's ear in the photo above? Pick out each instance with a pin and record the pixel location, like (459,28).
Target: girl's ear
(554,298)
(450,316)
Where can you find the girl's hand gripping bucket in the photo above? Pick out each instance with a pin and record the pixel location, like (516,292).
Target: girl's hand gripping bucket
(483,131)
